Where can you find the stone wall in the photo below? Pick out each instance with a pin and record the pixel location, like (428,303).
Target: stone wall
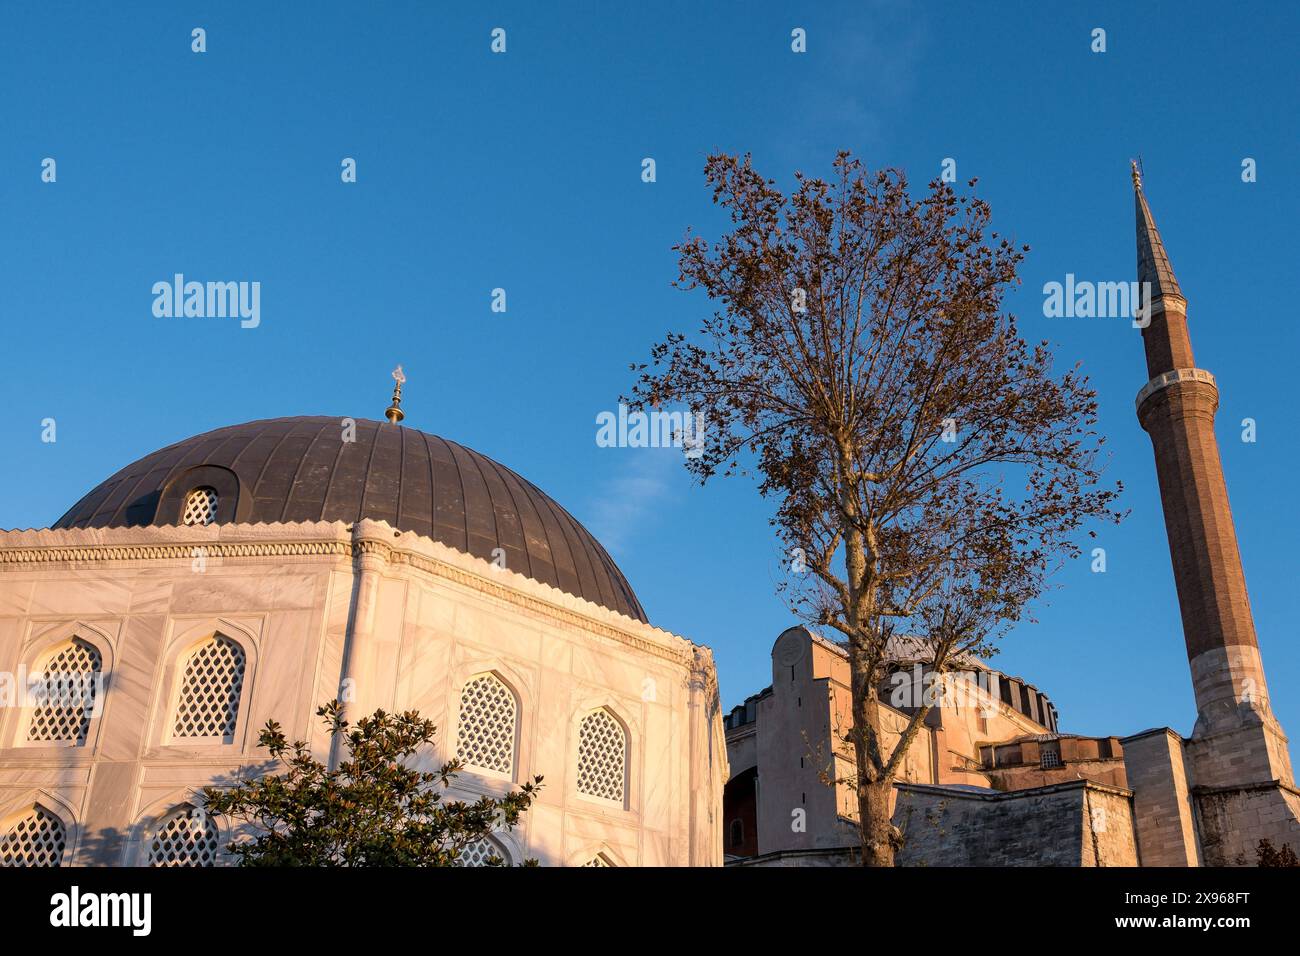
(1162,804)
(1234,819)
(1076,824)
(1110,837)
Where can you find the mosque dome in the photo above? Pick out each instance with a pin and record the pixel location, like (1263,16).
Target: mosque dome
(301,469)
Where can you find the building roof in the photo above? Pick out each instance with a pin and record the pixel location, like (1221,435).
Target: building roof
(902,650)
(301,469)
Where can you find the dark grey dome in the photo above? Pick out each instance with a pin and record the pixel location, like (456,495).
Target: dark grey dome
(300,469)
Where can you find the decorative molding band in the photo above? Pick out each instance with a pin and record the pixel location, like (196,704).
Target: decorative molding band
(350,541)
(177,552)
(1161,382)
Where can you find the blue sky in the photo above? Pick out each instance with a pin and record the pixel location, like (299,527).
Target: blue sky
(522,171)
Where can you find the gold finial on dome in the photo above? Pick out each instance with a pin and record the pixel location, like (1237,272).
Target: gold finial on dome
(1137,172)
(394,412)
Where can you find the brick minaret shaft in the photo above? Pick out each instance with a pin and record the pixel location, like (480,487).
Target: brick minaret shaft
(1176,408)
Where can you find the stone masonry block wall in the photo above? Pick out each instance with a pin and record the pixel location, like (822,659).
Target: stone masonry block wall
(1063,825)
(1162,805)
(1109,836)
(1234,819)
(1255,752)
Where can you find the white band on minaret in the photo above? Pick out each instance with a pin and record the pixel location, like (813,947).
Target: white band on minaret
(1172,378)
(1168,302)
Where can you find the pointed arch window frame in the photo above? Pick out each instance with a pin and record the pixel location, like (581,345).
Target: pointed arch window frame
(234,501)
(45,640)
(498,848)
(138,848)
(180,683)
(188,636)
(487,773)
(586,855)
(22,803)
(628,714)
(522,680)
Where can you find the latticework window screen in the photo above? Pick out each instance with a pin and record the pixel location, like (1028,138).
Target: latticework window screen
(186,837)
(200,507)
(488,721)
(480,851)
(66,694)
(210,687)
(602,754)
(37,838)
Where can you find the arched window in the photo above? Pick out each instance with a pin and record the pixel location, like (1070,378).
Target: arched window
(598,860)
(210,688)
(65,694)
(488,725)
(602,756)
(480,851)
(200,506)
(185,837)
(37,838)
(737,833)
(1049,756)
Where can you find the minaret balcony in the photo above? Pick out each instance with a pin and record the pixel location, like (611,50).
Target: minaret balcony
(1161,382)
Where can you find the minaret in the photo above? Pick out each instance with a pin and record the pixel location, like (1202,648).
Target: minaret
(1242,740)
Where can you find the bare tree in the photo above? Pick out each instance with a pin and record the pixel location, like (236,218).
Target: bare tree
(927,467)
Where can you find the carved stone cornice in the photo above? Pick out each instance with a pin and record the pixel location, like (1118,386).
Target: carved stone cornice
(363,539)
(170,552)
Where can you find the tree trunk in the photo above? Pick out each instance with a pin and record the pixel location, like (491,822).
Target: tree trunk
(878,835)
(875,789)
(875,828)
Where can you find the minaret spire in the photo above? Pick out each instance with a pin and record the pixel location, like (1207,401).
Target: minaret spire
(1164,310)
(1154,266)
